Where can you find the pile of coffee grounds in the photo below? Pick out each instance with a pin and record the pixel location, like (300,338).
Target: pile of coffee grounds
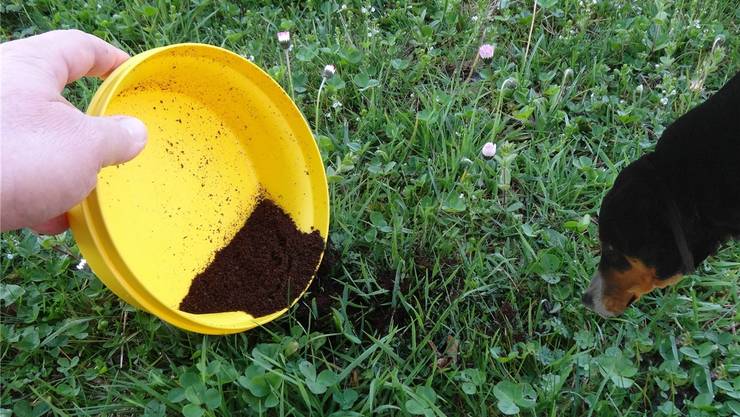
(268,263)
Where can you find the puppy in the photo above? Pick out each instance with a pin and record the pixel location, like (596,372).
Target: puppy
(672,208)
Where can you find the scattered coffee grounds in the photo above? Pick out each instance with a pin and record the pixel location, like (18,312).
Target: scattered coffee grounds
(372,314)
(265,266)
(324,289)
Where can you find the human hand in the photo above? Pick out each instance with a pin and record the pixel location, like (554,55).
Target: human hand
(50,152)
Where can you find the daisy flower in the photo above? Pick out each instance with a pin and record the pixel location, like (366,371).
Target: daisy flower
(489,150)
(486,51)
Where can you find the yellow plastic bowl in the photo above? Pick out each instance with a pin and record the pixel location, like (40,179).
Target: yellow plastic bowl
(221,132)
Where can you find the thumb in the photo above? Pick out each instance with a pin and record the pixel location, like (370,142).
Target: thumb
(119,138)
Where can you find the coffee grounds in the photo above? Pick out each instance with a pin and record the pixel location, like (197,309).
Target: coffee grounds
(267,264)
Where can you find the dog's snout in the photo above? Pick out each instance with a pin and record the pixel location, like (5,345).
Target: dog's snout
(588,299)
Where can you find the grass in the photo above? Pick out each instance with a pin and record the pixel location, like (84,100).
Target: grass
(487,258)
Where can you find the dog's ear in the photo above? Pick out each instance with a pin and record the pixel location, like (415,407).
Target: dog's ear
(634,218)
(627,208)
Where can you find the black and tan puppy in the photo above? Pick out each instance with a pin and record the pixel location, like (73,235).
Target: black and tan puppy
(672,208)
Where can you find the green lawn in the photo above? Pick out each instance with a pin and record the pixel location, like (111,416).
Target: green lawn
(457,282)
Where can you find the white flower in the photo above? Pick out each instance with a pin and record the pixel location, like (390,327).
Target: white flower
(336,104)
(639,89)
(344,7)
(9,255)
(474,18)
(372,9)
(283,37)
(489,150)
(284,40)
(568,73)
(329,71)
(363,9)
(486,51)
(251,58)
(664,101)
(82,263)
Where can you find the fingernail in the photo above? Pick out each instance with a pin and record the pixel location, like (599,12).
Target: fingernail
(137,131)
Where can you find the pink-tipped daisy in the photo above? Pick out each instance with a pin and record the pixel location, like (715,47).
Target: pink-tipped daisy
(489,150)
(284,39)
(329,71)
(486,51)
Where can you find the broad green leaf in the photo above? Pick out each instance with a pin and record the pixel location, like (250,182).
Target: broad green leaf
(195,394)
(315,386)
(9,293)
(192,410)
(617,368)
(524,113)
(327,378)
(345,398)
(363,81)
(149,11)
(668,409)
(335,83)
(377,219)
(455,203)
(351,55)
(305,53)
(176,395)
(469,388)
(400,64)
(189,379)
(426,115)
(511,396)
(547,4)
(427,393)
(212,399)
(154,409)
(307,369)
(416,408)
(507,407)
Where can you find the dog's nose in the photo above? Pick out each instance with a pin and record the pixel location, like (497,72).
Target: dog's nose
(588,299)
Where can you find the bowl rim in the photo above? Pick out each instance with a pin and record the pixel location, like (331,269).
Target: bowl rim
(93,237)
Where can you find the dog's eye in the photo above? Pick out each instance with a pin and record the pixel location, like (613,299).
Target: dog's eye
(632,300)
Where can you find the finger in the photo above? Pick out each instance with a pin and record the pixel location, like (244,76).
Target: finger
(73,54)
(117,138)
(53,226)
